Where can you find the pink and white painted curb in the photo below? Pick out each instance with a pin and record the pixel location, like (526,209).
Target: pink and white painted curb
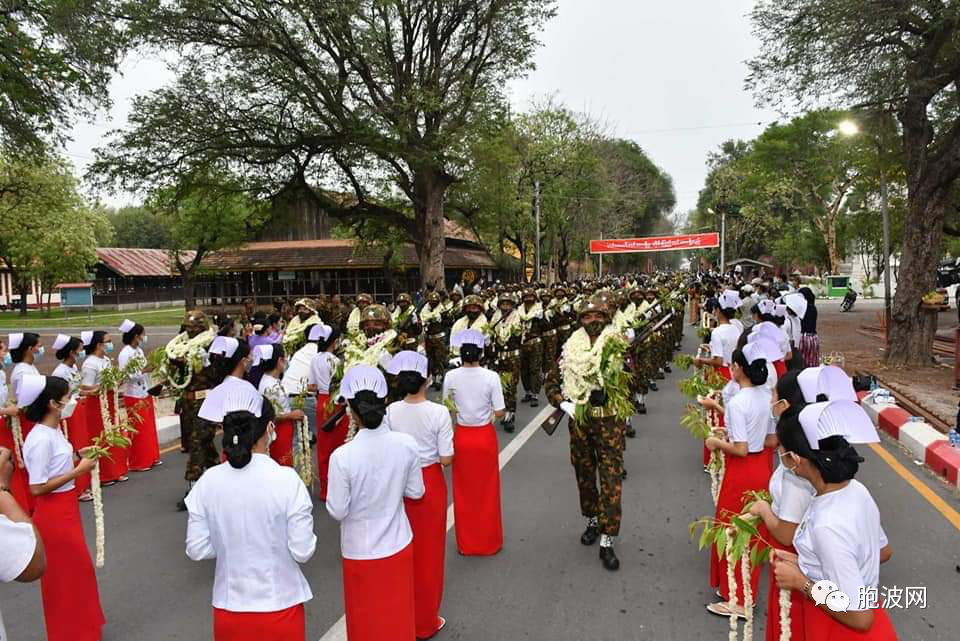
(921,439)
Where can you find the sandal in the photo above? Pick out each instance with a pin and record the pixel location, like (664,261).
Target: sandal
(123,479)
(86,497)
(722,609)
(443,622)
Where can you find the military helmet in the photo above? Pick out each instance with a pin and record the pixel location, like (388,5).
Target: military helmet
(365,297)
(596,303)
(507,297)
(529,293)
(433,297)
(457,293)
(374,312)
(404,298)
(473,301)
(195,319)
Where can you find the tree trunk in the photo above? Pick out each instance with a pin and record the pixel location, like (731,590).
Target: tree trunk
(189,287)
(50,301)
(429,189)
(23,288)
(912,330)
(830,233)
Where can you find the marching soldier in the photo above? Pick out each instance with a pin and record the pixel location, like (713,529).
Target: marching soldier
(431,316)
(597,440)
(507,335)
(472,318)
(551,322)
(353,321)
(406,321)
(531,353)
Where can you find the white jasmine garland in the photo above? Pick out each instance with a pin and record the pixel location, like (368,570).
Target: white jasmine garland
(353,321)
(367,351)
(97,492)
(528,315)
(430,314)
(731,585)
(580,364)
(304,460)
(508,328)
(462,324)
(17,431)
(785,605)
(189,350)
(747,597)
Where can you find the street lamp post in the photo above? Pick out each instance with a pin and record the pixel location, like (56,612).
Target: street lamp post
(723,238)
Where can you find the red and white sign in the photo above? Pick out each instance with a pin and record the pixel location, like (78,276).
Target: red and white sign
(655,244)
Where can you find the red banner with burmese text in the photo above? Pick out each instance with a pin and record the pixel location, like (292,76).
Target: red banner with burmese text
(655,243)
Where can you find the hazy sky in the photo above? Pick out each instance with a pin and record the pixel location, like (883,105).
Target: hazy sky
(668,75)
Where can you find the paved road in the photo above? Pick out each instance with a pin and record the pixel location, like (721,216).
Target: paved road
(544,585)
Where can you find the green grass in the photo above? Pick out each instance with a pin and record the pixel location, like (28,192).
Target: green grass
(78,318)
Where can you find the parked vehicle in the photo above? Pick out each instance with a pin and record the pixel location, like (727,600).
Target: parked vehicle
(849,299)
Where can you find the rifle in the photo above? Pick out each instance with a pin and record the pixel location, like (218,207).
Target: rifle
(331,423)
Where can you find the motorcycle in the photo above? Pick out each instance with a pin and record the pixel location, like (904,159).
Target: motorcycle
(849,299)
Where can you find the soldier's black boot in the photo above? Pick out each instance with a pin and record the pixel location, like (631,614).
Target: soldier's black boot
(659,375)
(592,533)
(508,423)
(631,430)
(641,403)
(181,504)
(534,401)
(527,398)
(667,369)
(607,555)
(653,387)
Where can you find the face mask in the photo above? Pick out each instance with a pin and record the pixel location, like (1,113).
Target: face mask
(82,355)
(473,315)
(594,328)
(40,351)
(143,339)
(272,436)
(7,360)
(108,348)
(67,410)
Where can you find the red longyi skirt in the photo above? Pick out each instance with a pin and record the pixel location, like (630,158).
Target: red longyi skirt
(327,442)
(724,371)
(428,519)
(19,482)
(820,626)
(79,438)
(71,600)
(476,491)
(144,449)
(742,474)
(283,625)
(117,464)
(281,450)
(378,598)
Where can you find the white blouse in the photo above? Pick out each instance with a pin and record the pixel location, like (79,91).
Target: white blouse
(69,373)
(297,376)
(47,454)
(723,342)
(19,371)
(91,369)
(3,387)
(272,390)
(428,423)
(257,522)
(747,417)
(368,480)
(136,386)
(791,495)
(477,393)
(322,368)
(840,539)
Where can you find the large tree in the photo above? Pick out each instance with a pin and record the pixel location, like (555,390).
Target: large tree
(375,96)
(56,61)
(900,58)
(138,226)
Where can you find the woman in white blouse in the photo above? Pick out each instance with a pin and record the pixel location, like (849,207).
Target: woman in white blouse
(478,396)
(369,478)
(323,369)
(97,346)
(71,600)
(144,448)
(747,464)
(430,426)
(271,360)
(68,350)
(255,518)
(840,538)
(9,413)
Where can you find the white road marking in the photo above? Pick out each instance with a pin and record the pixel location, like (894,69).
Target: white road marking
(338,631)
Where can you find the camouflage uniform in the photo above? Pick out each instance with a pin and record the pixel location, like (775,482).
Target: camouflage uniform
(551,321)
(507,365)
(531,354)
(436,340)
(596,452)
(409,328)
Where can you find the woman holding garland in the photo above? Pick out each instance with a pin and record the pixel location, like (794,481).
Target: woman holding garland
(323,369)
(256,519)
(369,478)
(71,600)
(478,396)
(270,360)
(430,426)
(748,466)
(144,448)
(840,538)
(19,487)
(97,345)
(68,352)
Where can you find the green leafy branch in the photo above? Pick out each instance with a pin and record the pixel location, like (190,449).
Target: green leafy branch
(696,423)
(683,361)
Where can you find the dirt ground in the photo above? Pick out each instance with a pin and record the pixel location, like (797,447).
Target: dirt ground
(930,388)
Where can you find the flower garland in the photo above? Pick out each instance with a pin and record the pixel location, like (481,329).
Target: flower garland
(747,598)
(101,531)
(785,605)
(17,430)
(295,335)
(528,315)
(367,351)
(303,459)
(400,316)
(462,324)
(353,321)
(431,314)
(508,328)
(183,349)
(731,588)
(580,364)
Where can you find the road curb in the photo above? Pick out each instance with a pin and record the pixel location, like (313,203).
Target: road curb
(168,429)
(921,439)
